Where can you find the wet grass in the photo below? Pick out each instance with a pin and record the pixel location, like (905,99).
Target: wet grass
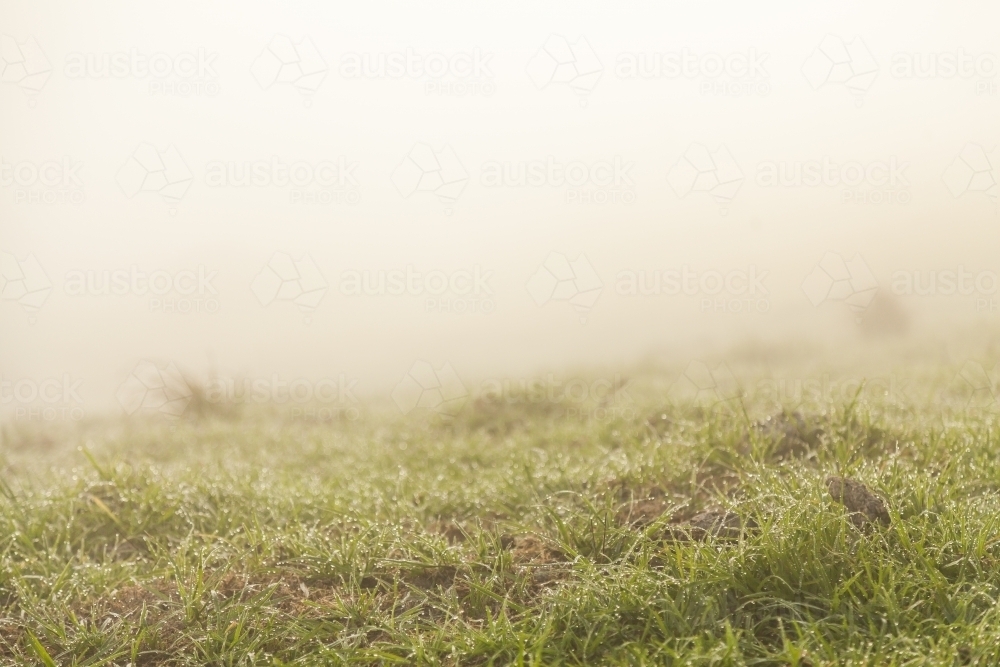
(509,534)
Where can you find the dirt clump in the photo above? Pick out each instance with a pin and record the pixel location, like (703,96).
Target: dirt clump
(530,549)
(864,506)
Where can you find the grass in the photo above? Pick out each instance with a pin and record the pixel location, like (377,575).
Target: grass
(513,533)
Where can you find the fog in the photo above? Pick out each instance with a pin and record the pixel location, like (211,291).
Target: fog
(352,193)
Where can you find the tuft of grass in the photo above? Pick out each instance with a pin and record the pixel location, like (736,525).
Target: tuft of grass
(510,534)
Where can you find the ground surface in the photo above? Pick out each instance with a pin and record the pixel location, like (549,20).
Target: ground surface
(513,533)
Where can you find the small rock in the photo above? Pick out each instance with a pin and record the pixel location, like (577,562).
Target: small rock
(864,506)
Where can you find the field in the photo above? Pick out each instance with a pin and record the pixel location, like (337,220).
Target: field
(517,531)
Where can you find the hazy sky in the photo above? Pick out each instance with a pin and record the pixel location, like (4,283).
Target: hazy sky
(224,186)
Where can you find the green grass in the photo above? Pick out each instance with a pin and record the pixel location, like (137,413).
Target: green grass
(513,533)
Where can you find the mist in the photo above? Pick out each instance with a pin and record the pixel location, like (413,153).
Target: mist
(349,194)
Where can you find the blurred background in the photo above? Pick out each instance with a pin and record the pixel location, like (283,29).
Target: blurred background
(305,202)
